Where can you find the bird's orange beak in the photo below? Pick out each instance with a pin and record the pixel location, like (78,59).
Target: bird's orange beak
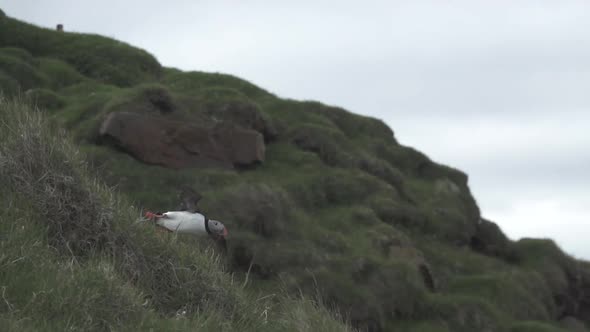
(225,232)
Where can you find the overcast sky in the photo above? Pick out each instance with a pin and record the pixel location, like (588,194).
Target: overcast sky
(498,89)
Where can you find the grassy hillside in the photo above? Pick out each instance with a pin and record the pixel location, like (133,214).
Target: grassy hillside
(76,256)
(339,210)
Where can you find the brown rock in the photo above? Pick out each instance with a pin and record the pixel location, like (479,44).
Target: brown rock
(175,144)
(244,146)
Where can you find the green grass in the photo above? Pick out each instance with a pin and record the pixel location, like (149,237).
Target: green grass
(19,53)
(8,85)
(507,291)
(193,82)
(59,73)
(544,256)
(97,57)
(45,99)
(76,258)
(23,72)
(354,125)
(532,326)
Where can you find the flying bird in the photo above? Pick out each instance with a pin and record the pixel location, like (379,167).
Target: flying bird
(188,219)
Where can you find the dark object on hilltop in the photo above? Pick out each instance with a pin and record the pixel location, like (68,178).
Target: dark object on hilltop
(60,27)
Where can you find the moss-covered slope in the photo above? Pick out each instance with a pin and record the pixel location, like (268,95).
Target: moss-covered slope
(75,256)
(390,238)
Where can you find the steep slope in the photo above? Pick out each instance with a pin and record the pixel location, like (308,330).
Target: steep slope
(338,206)
(75,256)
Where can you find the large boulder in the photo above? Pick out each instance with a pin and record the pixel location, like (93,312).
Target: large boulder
(175,144)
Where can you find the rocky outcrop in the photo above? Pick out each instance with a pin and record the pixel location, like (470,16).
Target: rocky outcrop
(489,239)
(175,144)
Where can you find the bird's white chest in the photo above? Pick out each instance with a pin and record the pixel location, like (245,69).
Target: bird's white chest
(183,222)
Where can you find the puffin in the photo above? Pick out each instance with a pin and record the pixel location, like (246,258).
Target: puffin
(187,219)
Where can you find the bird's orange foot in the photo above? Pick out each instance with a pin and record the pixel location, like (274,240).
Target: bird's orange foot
(150,215)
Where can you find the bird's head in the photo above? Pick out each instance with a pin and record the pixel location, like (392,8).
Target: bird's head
(217,228)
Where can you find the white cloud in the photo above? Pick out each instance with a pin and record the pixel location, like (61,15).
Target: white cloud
(565,220)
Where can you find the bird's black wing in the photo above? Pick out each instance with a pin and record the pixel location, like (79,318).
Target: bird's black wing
(189,199)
